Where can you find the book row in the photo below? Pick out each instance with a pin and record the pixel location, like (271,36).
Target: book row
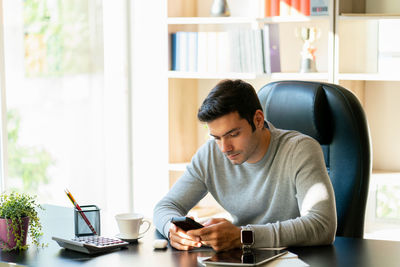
(239,50)
(296,7)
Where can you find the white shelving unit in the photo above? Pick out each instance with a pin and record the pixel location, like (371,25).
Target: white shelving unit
(249,76)
(348,56)
(357,55)
(357,68)
(370,16)
(209,20)
(349,48)
(293,19)
(209,75)
(369,77)
(240,20)
(187,89)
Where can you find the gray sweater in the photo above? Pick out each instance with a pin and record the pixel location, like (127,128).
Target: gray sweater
(286,197)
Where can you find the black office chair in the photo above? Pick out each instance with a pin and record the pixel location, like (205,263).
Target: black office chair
(334,117)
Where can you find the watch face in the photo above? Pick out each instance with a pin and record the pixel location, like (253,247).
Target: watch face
(247,237)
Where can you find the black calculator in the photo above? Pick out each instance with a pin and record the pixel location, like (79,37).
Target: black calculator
(91,244)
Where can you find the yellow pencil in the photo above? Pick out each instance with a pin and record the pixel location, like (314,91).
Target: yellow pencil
(69,195)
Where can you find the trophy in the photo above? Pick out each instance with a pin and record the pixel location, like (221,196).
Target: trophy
(308,35)
(220,8)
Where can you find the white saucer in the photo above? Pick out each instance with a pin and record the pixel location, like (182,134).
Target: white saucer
(127,239)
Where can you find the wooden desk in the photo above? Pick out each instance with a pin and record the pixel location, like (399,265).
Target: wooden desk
(58,221)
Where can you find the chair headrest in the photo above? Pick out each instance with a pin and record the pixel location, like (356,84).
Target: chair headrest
(302,107)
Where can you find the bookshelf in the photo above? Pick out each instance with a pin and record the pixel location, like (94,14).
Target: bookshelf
(209,20)
(187,89)
(250,76)
(358,66)
(369,16)
(242,20)
(368,77)
(348,54)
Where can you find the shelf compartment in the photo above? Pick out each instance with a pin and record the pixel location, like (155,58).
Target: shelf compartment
(290,19)
(249,76)
(299,76)
(367,16)
(368,77)
(209,20)
(209,75)
(241,20)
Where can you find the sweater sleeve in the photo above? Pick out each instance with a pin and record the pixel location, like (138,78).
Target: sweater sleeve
(317,223)
(184,195)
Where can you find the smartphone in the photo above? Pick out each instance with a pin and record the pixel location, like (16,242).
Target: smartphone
(186,223)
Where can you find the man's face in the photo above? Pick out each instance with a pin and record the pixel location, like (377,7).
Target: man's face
(235,138)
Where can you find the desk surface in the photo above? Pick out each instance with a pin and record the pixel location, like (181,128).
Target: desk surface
(58,221)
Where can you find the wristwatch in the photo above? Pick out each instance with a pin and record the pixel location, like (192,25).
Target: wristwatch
(247,237)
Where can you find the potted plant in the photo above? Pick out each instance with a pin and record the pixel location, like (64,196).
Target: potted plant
(18,213)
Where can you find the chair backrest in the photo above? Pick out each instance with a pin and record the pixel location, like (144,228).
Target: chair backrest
(334,117)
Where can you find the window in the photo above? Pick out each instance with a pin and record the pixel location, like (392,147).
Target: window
(66,97)
(382,217)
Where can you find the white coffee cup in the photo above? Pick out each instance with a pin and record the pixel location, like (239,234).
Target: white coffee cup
(129,225)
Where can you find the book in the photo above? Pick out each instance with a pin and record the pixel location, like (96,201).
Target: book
(319,7)
(234,52)
(274,48)
(211,51)
(179,51)
(260,8)
(305,7)
(272,60)
(266,52)
(191,51)
(245,51)
(284,8)
(251,52)
(295,8)
(275,7)
(181,47)
(267,7)
(223,51)
(174,52)
(258,51)
(202,51)
(240,44)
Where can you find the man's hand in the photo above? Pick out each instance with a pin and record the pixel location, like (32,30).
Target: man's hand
(179,239)
(218,233)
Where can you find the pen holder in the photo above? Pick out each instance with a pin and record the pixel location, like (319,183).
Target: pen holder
(92,213)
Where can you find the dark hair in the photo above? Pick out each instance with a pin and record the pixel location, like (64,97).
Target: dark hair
(230,96)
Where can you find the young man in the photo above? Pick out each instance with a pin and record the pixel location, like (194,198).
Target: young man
(273,182)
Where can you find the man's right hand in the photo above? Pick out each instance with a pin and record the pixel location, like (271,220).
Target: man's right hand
(180,240)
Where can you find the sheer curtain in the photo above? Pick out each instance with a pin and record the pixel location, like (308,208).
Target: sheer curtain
(67,101)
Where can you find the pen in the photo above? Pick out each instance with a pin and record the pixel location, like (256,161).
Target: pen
(69,195)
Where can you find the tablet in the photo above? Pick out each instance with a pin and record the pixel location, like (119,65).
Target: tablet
(238,257)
